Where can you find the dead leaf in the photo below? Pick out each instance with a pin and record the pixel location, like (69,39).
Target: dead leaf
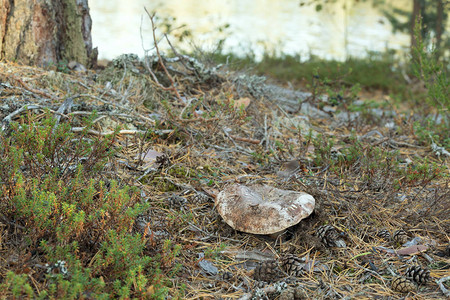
(151,290)
(242,102)
(412,250)
(288,169)
(149,156)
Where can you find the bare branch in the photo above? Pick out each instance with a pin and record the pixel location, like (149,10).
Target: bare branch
(161,62)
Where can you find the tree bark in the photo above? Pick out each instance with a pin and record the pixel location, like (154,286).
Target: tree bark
(46,32)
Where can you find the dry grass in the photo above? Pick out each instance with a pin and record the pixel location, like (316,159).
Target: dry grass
(208,142)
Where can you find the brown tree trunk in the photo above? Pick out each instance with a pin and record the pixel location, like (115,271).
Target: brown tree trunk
(45,32)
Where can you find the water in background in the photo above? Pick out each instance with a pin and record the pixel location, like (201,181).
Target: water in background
(342,29)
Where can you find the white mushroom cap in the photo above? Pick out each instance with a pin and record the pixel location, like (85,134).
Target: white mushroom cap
(262,209)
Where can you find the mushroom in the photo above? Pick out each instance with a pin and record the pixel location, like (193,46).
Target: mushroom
(262,209)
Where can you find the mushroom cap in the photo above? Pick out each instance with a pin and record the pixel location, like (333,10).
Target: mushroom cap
(262,209)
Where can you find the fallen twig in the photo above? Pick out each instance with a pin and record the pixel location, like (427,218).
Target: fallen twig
(8,119)
(32,90)
(119,106)
(105,133)
(247,140)
(66,106)
(440,283)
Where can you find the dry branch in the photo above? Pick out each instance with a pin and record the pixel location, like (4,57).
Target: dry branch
(161,62)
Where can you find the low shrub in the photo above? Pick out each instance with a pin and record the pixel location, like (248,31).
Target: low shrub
(75,222)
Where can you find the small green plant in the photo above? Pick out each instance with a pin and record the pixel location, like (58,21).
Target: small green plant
(260,156)
(18,285)
(431,72)
(323,150)
(78,221)
(434,76)
(423,172)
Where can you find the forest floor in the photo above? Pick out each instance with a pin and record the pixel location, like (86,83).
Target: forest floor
(187,130)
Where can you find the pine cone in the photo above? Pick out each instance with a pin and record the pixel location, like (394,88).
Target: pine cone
(176,201)
(418,274)
(287,294)
(384,234)
(267,271)
(200,198)
(403,285)
(292,265)
(330,236)
(400,236)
